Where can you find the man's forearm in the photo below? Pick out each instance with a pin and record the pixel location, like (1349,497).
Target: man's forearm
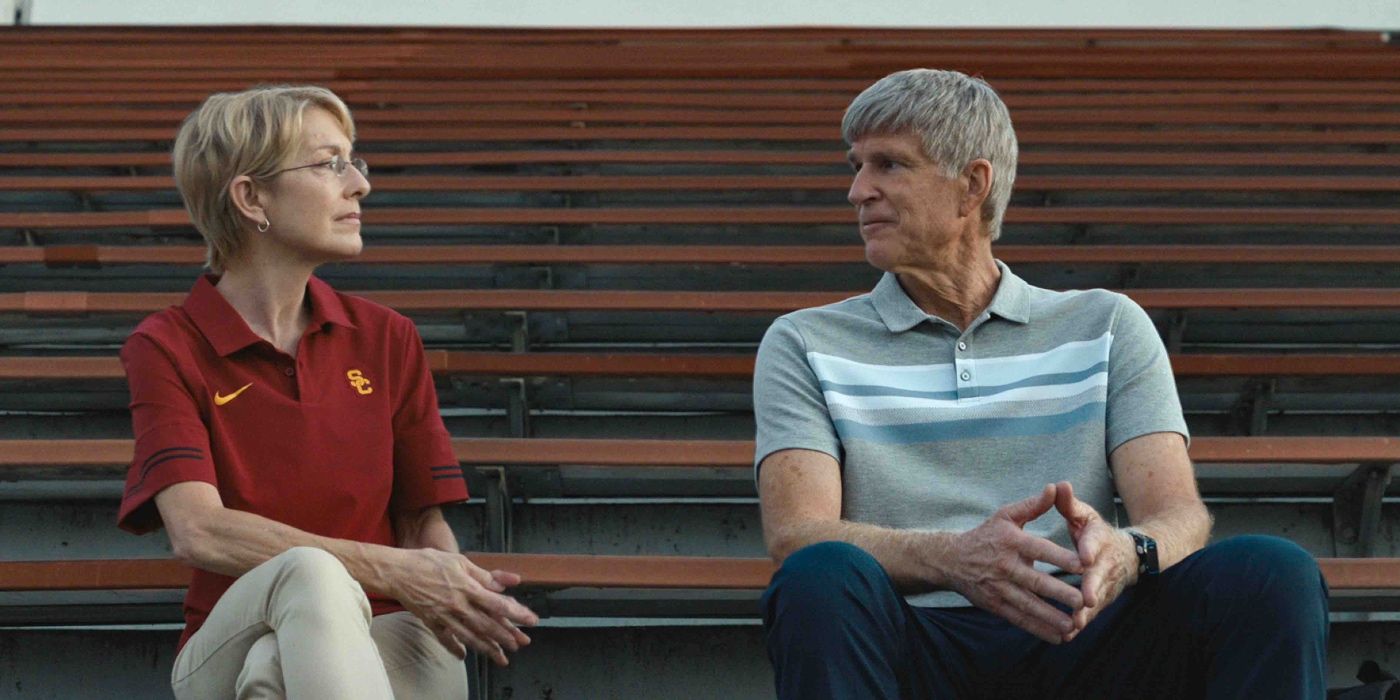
(915,561)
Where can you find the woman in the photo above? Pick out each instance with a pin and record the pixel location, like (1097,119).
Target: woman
(288,437)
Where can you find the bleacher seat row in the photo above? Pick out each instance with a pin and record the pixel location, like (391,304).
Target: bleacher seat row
(592,228)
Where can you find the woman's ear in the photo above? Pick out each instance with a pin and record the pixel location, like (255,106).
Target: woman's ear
(246,198)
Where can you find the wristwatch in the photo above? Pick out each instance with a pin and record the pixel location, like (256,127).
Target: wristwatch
(1147,553)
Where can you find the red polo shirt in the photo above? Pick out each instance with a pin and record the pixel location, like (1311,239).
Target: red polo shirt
(332,441)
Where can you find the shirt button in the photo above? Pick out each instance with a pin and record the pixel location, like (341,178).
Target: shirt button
(962,345)
(289,371)
(966,376)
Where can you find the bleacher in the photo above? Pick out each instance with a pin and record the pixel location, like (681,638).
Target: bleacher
(593,228)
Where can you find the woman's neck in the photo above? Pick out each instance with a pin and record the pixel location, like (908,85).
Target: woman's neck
(272,302)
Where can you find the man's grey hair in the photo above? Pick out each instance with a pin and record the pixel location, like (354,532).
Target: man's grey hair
(959,119)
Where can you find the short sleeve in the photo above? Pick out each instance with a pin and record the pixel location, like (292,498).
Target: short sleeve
(789,409)
(172,440)
(1142,396)
(426,471)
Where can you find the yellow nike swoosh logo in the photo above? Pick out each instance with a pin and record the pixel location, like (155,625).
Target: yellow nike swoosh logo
(221,400)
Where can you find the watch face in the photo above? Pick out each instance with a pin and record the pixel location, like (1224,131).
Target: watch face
(1147,552)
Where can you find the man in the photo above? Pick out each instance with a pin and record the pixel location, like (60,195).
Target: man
(937,462)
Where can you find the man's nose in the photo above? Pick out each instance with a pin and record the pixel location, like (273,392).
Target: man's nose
(861,189)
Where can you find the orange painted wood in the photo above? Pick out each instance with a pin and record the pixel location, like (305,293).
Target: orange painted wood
(1308,450)
(835,157)
(77,303)
(715,365)
(710,453)
(346,82)
(742,183)
(489,114)
(93,574)
(555,571)
(189,98)
(775,215)
(767,156)
(581,131)
(46,368)
(58,256)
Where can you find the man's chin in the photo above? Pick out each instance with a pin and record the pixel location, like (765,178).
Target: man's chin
(879,258)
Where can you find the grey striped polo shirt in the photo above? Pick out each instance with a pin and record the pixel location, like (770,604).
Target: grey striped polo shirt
(936,428)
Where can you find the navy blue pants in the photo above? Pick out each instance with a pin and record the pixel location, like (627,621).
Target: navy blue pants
(1242,618)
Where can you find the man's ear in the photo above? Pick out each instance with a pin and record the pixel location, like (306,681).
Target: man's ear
(978,175)
(243,191)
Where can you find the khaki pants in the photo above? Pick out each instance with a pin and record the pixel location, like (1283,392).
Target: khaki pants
(299,627)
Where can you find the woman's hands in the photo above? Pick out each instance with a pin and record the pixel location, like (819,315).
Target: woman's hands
(462,603)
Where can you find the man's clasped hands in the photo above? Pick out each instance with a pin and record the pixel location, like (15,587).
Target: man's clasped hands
(994,567)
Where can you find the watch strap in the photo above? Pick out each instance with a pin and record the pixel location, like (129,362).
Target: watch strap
(1146,549)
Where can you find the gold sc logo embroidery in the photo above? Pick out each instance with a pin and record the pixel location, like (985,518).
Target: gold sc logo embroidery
(357,380)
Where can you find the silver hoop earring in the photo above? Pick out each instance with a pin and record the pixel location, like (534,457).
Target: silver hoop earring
(264,226)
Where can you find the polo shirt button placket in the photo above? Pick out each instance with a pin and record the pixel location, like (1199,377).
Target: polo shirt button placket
(290,372)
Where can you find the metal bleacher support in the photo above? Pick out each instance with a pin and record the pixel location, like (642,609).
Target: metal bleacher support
(592,228)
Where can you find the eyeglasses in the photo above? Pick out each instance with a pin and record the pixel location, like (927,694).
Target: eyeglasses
(336,165)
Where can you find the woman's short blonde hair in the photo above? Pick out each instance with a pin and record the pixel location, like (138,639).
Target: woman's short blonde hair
(251,133)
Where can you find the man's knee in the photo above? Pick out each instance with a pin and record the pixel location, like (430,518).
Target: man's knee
(826,563)
(1272,578)
(827,573)
(1267,561)
(1277,568)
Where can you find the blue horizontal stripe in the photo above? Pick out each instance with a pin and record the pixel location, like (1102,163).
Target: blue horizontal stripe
(1047,380)
(868,390)
(1037,380)
(914,433)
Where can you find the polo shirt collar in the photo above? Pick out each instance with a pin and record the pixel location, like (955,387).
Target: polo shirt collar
(900,313)
(1013,298)
(228,333)
(326,306)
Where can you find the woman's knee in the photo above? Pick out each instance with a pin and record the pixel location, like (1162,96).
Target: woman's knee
(310,564)
(309,559)
(261,676)
(316,580)
(418,665)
